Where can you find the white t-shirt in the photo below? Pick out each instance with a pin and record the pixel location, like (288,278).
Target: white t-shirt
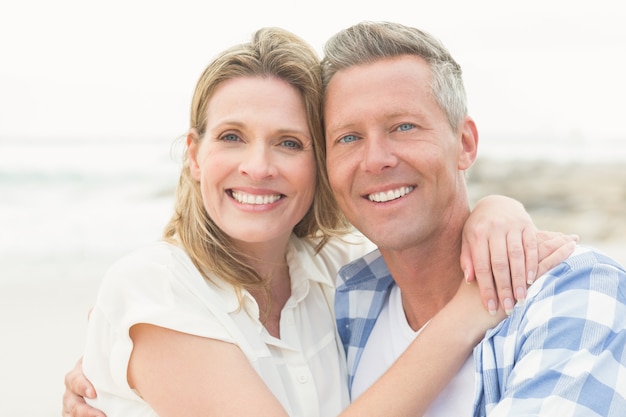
(159,285)
(390,337)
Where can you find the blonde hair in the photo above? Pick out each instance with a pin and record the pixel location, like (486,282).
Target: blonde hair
(272,52)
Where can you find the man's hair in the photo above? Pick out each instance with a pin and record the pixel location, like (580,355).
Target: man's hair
(368,42)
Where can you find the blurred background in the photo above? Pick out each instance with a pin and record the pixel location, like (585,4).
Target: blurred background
(93,96)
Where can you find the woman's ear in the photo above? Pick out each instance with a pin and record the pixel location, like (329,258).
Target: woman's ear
(193,143)
(469,144)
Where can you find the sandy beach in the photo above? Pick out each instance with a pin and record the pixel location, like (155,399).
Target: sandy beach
(45,303)
(588,199)
(43,329)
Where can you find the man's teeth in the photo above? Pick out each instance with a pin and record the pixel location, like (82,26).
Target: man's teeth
(390,195)
(245,198)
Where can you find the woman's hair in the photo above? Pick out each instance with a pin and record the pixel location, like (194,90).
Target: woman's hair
(272,52)
(368,42)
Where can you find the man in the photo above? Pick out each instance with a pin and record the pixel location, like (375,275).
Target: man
(399,141)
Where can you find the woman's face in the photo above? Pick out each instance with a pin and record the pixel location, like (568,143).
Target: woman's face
(255,163)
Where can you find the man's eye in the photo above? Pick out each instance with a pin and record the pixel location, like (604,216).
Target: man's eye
(348,139)
(405,126)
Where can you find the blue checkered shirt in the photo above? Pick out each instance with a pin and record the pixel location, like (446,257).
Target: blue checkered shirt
(561,353)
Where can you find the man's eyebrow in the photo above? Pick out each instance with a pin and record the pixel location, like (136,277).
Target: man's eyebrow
(339,126)
(387,115)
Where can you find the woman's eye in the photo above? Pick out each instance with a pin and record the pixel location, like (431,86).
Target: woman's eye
(348,139)
(405,126)
(230,137)
(292,144)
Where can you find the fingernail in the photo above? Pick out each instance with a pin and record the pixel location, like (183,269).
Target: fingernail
(508,306)
(520,293)
(531,277)
(575,237)
(466,277)
(89,393)
(491,306)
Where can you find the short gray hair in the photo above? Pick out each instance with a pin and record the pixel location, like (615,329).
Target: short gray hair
(368,42)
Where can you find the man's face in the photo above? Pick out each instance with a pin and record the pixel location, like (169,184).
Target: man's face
(393,160)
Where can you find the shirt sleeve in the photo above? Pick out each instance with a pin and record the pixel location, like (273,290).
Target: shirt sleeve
(151,286)
(564,352)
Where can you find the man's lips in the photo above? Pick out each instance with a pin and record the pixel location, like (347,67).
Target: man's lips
(389,195)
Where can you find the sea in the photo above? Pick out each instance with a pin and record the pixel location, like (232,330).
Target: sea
(76,203)
(66,206)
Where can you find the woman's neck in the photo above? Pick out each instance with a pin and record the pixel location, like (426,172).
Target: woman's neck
(268,259)
(273,297)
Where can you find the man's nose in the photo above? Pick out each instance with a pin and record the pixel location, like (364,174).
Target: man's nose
(378,154)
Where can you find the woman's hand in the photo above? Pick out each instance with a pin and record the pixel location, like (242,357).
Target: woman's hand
(77,388)
(503,251)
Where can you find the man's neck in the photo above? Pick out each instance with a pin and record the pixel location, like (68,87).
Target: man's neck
(428,275)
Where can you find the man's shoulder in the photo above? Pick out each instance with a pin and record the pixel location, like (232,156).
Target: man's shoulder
(586,269)
(571,328)
(368,268)
(586,256)
(584,287)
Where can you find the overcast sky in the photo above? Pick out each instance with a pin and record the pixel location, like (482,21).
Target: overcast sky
(117,69)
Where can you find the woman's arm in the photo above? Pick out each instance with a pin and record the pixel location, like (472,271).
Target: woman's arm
(229,385)
(180,374)
(431,361)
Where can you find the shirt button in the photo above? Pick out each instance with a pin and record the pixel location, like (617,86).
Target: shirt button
(302,379)
(290,320)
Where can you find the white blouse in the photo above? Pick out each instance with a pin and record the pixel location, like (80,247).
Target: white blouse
(159,285)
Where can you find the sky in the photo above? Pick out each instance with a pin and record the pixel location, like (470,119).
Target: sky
(88,70)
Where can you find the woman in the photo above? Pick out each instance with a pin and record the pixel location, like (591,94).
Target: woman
(232,313)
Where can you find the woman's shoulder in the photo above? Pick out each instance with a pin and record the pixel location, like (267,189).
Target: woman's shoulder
(156,265)
(158,284)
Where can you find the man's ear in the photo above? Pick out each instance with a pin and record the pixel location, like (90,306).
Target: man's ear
(193,143)
(469,144)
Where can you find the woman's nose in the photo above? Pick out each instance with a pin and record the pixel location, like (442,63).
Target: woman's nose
(258,163)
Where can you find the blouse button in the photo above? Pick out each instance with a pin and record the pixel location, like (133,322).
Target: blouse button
(302,378)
